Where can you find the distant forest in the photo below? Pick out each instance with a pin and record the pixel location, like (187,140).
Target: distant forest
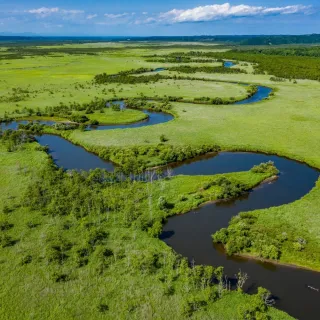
(244,39)
(229,40)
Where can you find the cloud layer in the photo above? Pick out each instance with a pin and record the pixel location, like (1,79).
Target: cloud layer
(45,12)
(52,17)
(216,12)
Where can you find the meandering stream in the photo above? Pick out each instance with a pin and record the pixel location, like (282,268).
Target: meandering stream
(190,234)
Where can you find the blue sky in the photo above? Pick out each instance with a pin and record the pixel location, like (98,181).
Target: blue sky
(147,17)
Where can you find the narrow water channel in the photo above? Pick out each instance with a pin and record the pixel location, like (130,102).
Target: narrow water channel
(190,234)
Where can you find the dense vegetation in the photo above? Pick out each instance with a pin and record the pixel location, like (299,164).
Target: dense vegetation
(47,249)
(206,69)
(313,51)
(295,66)
(178,59)
(78,227)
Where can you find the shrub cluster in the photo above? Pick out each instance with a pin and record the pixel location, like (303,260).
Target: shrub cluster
(206,69)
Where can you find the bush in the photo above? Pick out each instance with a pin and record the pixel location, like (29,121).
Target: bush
(163,204)
(115,107)
(183,198)
(6,240)
(221,236)
(156,229)
(163,138)
(26,260)
(59,277)
(270,252)
(102,307)
(5,225)
(297,246)
(6,209)
(94,122)
(79,118)
(267,167)
(97,237)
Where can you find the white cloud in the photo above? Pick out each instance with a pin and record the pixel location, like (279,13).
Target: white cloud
(45,12)
(217,11)
(91,16)
(72,11)
(115,16)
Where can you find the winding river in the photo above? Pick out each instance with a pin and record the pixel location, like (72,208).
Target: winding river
(190,234)
(152,119)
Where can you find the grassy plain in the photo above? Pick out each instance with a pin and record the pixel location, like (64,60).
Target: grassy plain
(287,124)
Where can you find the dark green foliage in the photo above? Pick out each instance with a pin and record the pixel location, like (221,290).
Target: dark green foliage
(267,167)
(163,204)
(242,236)
(66,126)
(277,79)
(257,307)
(5,225)
(6,240)
(59,277)
(135,159)
(156,229)
(57,250)
(15,139)
(79,118)
(290,67)
(102,307)
(206,69)
(32,127)
(176,59)
(311,51)
(97,237)
(229,189)
(163,138)
(6,209)
(94,122)
(115,107)
(81,256)
(17,94)
(126,78)
(26,260)
(143,103)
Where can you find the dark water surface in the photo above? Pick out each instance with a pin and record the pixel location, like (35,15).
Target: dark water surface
(190,234)
(69,156)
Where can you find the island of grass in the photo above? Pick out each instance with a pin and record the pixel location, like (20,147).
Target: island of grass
(104,117)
